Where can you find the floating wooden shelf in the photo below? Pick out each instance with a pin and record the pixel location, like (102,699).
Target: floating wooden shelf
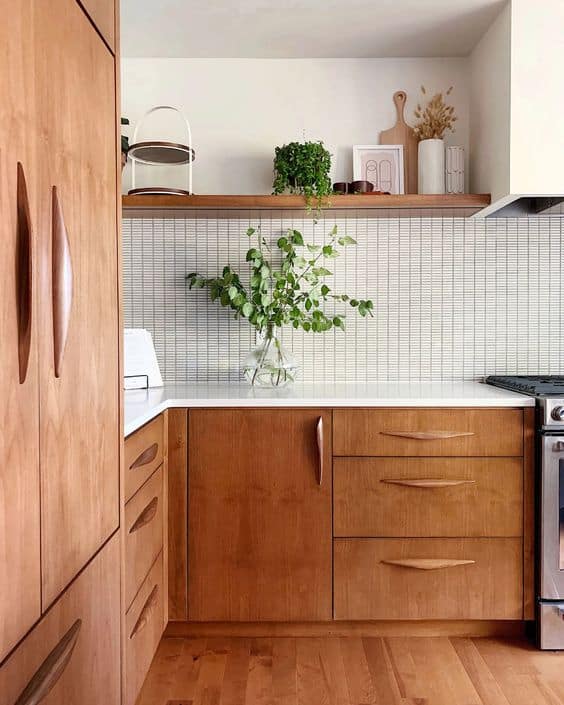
(467,203)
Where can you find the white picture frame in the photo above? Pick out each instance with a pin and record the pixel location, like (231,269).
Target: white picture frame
(381,164)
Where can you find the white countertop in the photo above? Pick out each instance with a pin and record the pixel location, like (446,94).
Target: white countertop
(143,405)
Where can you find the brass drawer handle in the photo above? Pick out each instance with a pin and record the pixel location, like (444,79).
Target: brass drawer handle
(145,613)
(146,457)
(24,274)
(427,563)
(428,435)
(146,516)
(46,677)
(428,483)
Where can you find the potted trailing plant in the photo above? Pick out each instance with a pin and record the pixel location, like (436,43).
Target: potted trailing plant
(302,168)
(124,144)
(434,120)
(291,293)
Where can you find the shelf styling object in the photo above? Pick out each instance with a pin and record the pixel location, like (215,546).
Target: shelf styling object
(291,293)
(124,144)
(434,120)
(303,168)
(403,134)
(455,170)
(160,152)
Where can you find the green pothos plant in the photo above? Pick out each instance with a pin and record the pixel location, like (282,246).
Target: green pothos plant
(303,168)
(292,292)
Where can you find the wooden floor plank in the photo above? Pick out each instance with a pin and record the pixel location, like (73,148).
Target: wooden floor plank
(284,672)
(259,686)
(353,671)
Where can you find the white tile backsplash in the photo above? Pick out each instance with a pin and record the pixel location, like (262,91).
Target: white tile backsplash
(455,298)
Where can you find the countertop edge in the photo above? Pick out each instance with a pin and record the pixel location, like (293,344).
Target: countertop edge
(513,401)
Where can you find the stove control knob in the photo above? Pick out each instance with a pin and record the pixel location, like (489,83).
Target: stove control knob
(558,413)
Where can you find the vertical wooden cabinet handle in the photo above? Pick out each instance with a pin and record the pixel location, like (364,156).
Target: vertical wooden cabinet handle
(319,438)
(23,274)
(62,282)
(46,677)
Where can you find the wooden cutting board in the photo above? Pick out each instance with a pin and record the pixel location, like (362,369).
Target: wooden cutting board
(402,133)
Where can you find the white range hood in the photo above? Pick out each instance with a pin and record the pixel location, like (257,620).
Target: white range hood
(517,110)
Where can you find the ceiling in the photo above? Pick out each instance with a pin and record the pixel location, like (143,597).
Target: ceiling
(303,28)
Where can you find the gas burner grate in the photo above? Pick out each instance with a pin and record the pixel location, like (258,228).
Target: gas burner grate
(535,385)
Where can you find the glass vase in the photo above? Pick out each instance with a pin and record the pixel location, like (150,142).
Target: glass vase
(269,364)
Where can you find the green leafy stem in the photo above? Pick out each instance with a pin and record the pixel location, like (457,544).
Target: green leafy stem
(292,293)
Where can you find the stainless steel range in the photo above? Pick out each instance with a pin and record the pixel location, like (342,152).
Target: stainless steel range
(549,392)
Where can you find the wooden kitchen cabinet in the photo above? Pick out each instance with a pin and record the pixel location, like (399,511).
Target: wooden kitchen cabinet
(20,599)
(260,535)
(103,15)
(78,281)
(72,656)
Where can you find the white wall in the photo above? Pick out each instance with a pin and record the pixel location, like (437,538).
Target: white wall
(537,99)
(240,109)
(490,104)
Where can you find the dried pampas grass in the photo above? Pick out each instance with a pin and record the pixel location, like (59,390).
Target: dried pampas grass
(435,119)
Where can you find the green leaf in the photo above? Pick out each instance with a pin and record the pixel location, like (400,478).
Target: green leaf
(325,290)
(297,238)
(308,305)
(252,254)
(347,240)
(247,310)
(314,248)
(282,242)
(321,272)
(338,323)
(354,303)
(251,232)
(265,271)
(327,250)
(232,292)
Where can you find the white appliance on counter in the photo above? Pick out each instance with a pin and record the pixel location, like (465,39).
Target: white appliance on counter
(140,365)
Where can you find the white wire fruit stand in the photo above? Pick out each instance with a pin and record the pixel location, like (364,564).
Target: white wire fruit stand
(159,152)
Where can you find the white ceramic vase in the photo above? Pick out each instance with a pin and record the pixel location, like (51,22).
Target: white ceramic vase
(431,177)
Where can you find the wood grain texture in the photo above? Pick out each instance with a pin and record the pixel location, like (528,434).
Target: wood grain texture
(178,514)
(347,628)
(19,408)
(349,671)
(259,523)
(403,134)
(495,432)
(144,530)
(61,282)
(140,459)
(103,15)
(486,498)
(80,433)
(448,201)
(366,587)
(143,630)
(529,471)
(91,675)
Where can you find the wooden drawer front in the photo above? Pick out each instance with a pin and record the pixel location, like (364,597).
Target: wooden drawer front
(144,627)
(428,497)
(143,533)
(72,656)
(428,432)
(481,579)
(143,455)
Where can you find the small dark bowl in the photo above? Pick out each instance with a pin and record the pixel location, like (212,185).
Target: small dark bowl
(361,187)
(341,187)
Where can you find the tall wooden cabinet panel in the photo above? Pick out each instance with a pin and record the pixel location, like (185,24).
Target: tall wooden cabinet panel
(103,15)
(79,369)
(19,411)
(259,515)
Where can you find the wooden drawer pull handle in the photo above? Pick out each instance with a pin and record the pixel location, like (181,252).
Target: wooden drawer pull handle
(46,677)
(428,435)
(429,483)
(427,563)
(23,274)
(61,283)
(320,445)
(146,457)
(146,516)
(145,614)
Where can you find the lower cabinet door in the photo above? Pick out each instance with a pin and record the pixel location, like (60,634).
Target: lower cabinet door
(72,657)
(144,626)
(429,579)
(260,523)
